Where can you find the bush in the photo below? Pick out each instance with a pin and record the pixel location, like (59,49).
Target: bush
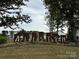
(3,39)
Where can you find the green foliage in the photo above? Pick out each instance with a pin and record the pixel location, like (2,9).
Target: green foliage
(3,39)
(63,10)
(11,13)
(54,17)
(64,13)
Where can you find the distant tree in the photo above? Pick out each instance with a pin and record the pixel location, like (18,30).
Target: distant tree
(10,13)
(4,33)
(64,12)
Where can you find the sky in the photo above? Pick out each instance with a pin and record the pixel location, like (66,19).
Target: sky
(36,10)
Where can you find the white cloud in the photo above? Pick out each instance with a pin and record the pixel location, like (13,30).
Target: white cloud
(36,10)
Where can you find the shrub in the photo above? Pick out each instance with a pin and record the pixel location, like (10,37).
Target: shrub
(3,39)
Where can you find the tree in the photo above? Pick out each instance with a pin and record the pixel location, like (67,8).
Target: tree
(53,17)
(66,13)
(4,33)
(10,13)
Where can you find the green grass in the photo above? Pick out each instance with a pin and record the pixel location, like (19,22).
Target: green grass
(38,51)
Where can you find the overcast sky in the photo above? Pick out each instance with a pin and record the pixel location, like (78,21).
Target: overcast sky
(36,10)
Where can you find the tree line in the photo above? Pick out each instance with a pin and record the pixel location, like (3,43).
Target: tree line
(63,13)
(60,13)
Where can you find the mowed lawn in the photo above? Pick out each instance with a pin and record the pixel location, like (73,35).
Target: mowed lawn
(39,51)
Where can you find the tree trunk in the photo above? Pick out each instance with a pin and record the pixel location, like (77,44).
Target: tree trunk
(72,32)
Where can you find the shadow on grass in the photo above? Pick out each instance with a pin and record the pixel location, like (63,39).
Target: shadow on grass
(22,44)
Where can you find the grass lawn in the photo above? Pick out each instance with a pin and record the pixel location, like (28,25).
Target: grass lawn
(39,51)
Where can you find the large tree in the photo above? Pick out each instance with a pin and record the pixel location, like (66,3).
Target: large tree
(65,12)
(10,13)
(53,15)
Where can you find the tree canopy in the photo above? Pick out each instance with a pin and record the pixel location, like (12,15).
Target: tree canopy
(10,13)
(64,12)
